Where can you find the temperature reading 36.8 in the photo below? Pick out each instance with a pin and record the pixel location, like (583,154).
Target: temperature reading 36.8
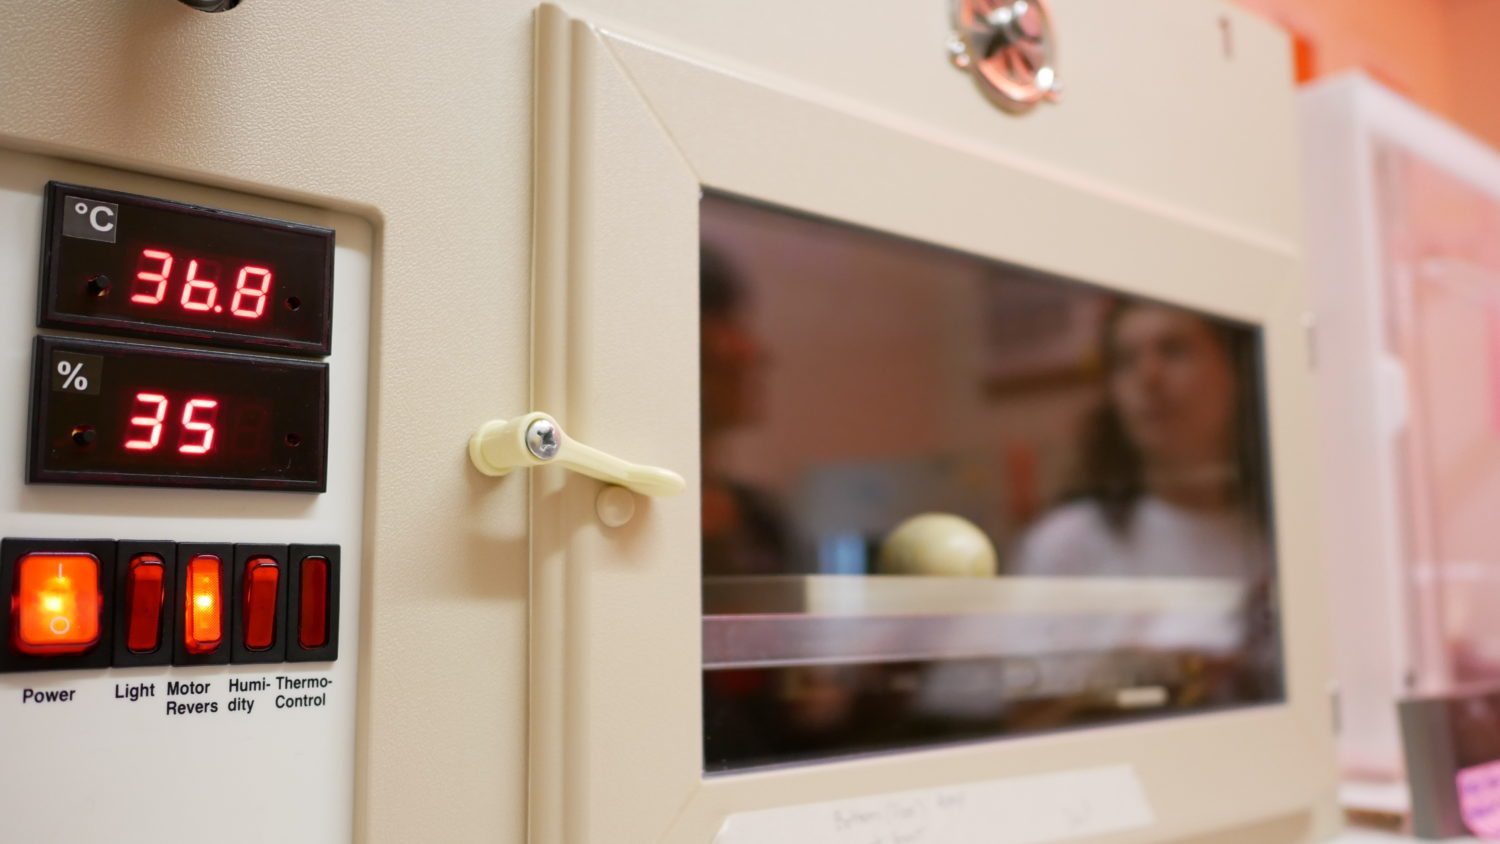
(146,267)
(199,285)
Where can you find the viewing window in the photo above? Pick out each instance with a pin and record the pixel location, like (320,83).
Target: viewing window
(949,499)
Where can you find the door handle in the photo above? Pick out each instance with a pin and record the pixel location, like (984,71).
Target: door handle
(535,439)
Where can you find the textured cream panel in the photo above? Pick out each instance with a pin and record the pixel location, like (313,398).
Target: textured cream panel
(1154,104)
(418,116)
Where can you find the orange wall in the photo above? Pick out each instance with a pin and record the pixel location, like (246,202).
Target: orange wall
(1439,53)
(1476,65)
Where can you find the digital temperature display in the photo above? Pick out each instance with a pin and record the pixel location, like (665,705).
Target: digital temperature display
(126,264)
(128,413)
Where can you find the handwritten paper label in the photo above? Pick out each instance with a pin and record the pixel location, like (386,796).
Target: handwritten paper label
(1034,809)
(1479,799)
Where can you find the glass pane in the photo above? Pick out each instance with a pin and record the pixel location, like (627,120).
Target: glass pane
(1442,265)
(948,499)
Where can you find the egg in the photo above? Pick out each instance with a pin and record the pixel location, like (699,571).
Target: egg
(938,544)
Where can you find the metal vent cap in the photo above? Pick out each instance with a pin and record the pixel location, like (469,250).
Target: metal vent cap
(1010,48)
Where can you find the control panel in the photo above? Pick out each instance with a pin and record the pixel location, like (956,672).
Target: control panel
(181,507)
(97,603)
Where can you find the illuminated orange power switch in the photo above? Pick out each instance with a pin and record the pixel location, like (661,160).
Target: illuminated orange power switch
(57,603)
(203,613)
(261,577)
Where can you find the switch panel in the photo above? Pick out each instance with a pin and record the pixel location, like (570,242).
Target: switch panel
(96,603)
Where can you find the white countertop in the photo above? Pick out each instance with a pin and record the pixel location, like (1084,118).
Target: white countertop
(1382,797)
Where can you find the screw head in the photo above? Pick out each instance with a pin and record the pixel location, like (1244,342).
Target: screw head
(542,439)
(84,435)
(98,285)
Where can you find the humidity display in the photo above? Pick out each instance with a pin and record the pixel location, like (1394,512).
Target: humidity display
(126,413)
(129,264)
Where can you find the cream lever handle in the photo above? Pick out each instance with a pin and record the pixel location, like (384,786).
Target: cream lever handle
(536,439)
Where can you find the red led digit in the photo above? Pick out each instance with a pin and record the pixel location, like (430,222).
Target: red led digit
(241,292)
(158,277)
(195,283)
(152,424)
(203,426)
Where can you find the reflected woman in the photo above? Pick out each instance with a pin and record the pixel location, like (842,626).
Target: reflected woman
(1173,476)
(743,531)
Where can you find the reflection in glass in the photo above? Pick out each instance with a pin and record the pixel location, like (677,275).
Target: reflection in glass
(950,499)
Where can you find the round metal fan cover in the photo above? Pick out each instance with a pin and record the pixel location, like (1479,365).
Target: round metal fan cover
(1010,47)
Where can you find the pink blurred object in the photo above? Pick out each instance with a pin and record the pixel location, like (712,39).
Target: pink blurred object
(1479,799)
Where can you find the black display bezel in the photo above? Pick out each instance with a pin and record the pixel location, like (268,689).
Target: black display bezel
(41,398)
(49,315)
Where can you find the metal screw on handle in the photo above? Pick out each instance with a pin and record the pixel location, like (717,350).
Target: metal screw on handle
(542,440)
(534,439)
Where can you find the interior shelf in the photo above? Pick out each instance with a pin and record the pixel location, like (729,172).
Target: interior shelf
(772,621)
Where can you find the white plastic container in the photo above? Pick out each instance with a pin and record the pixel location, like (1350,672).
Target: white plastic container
(1403,221)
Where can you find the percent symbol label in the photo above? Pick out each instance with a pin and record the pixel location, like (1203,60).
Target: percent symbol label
(75,373)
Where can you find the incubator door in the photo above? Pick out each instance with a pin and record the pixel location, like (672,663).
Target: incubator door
(958,474)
